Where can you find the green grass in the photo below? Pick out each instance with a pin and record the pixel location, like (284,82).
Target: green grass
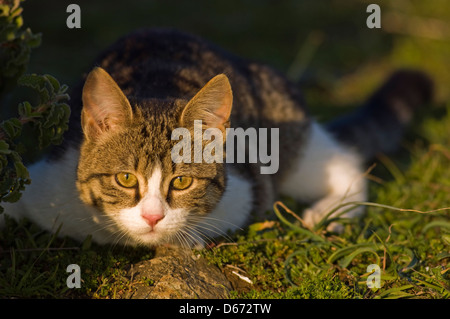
(33,265)
(326,47)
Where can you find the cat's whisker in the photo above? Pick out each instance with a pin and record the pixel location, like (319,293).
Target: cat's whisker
(201,234)
(200,238)
(219,220)
(177,239)
(118,239)
(211,227)
(103,226)
(182,240)
(190,238)
(196,236)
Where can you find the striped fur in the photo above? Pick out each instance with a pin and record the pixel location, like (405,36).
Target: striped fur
(151,82)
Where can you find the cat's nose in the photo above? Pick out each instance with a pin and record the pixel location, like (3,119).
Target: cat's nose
(152,219)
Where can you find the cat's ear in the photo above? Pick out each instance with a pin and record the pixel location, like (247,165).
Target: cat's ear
(212,104)
(105,107)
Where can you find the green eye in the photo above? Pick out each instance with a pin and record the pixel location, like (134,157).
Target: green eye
(126,180)
(181,182)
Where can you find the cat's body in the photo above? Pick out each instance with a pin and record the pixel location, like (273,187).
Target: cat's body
(130,187)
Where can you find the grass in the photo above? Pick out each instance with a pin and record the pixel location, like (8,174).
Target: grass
(34,265)
(406,230)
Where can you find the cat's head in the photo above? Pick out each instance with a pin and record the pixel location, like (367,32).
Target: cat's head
(126,169)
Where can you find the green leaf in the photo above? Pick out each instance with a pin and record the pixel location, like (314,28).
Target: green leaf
(345,251)
(14,193)
(4,148)
(348,259)
(395,293)
(12,128)
(21,170)
(54,82)
(32,80)
(436,223)
(64,89)
(33,40)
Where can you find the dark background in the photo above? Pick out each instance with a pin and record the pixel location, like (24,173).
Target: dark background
(325,45)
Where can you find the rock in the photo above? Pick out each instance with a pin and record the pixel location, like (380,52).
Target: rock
(176,274)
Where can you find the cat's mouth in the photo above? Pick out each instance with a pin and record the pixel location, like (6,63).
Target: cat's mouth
(151,230)
(153,235)
(148,230)
(150,236)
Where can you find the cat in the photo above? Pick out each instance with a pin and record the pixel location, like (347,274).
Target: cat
(113,176)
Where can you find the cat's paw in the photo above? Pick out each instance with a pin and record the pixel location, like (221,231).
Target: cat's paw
(312,216)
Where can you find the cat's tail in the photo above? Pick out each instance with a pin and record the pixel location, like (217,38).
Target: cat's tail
(378,126)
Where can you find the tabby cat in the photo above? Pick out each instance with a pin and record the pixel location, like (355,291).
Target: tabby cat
(114,178)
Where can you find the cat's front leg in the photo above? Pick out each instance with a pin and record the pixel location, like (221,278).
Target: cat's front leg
(327,175)
(324,206)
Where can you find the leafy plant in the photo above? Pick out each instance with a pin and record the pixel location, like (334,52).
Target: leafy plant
(15,43)
(48,118)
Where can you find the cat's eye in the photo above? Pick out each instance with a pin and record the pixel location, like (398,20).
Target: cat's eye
(126,180)
(181,182)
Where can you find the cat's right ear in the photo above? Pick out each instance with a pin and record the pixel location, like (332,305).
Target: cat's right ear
(105,107)
(212,104)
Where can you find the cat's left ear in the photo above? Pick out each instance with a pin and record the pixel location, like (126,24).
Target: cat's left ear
(212,104)
(105,107)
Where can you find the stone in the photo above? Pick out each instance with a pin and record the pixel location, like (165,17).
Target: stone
(177,274)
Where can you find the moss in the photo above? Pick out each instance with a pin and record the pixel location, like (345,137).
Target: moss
(322,286)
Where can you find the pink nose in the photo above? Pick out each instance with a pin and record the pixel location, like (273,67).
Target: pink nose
(152,219)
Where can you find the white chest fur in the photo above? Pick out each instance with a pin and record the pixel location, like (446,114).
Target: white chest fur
(234,209)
